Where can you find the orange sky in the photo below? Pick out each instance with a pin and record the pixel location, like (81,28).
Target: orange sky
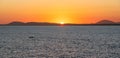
(67,11)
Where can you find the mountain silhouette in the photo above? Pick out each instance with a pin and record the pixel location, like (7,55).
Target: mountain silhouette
(106,22)
(30,24)
(100,23)
(16,23)
(118,22)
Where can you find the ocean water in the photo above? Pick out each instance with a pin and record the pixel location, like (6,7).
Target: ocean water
(59,41)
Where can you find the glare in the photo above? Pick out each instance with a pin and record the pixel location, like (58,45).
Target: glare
(61,22)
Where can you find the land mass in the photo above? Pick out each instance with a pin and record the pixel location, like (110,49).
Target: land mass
(100,23)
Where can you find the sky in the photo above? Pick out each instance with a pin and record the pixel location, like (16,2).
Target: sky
(56,11)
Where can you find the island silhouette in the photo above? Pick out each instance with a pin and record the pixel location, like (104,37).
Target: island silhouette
(106,22)
(99,23)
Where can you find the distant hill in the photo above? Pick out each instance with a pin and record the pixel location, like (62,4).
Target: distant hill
(106,22)
(118,22)
(29,24)
(16,23)
(100,23)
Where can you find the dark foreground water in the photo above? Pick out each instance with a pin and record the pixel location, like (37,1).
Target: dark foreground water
(59,42)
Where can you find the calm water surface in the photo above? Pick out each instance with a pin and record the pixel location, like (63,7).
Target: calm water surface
(59,41)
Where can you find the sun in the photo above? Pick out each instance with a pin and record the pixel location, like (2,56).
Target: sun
(62,23)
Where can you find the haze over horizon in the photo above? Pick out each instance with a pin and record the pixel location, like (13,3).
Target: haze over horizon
(56,11)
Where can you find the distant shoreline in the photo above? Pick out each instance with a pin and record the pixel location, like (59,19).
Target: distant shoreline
(100,23)
(69,25)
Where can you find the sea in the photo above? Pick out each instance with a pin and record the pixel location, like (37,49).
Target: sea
(59,41)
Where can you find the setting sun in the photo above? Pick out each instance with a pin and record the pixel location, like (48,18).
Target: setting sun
(59,28)
(62,23)
(59,11)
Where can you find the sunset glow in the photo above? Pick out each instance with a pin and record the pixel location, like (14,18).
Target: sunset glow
(56,11)
(62,23)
